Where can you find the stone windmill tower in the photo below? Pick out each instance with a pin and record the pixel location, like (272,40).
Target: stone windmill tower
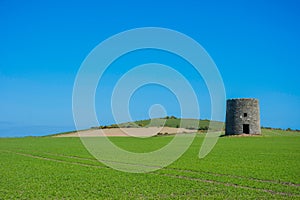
(242,117)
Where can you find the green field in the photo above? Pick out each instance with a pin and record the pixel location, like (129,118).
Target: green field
(258,167)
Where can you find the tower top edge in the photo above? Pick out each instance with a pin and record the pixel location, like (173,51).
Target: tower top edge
(243,99)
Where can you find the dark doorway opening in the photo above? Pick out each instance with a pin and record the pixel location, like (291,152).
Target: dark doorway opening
(246,128)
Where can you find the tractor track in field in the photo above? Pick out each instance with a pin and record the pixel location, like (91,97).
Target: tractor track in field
(238,177)
(55,160)
(165,174)
(183,170)
(228,184)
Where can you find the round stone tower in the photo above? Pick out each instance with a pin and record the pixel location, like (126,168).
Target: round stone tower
(242,117)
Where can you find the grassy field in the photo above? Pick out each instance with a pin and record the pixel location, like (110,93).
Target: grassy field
(258,167)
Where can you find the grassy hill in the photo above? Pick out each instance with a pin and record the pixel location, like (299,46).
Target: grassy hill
(168,122)
(194,124)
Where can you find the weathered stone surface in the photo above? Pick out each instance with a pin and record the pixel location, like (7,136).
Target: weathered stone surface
(242,116)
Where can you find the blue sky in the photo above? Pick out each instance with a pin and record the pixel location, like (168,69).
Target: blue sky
(255,45)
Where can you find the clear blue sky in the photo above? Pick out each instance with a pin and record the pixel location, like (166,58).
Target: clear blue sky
(255,45)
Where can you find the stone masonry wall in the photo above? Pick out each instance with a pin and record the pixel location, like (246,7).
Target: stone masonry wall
(240,112)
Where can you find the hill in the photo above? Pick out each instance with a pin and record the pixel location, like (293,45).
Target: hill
(167,122)
(194,124)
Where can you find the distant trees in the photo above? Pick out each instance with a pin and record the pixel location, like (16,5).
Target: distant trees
(281,129)
(170,117)
(205,128)
(141,125)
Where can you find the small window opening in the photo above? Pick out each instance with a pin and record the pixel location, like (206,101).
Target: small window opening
(245,114)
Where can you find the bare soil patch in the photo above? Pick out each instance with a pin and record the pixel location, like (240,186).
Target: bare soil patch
(125,132)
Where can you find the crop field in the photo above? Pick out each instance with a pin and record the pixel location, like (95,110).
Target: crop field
(256,167)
